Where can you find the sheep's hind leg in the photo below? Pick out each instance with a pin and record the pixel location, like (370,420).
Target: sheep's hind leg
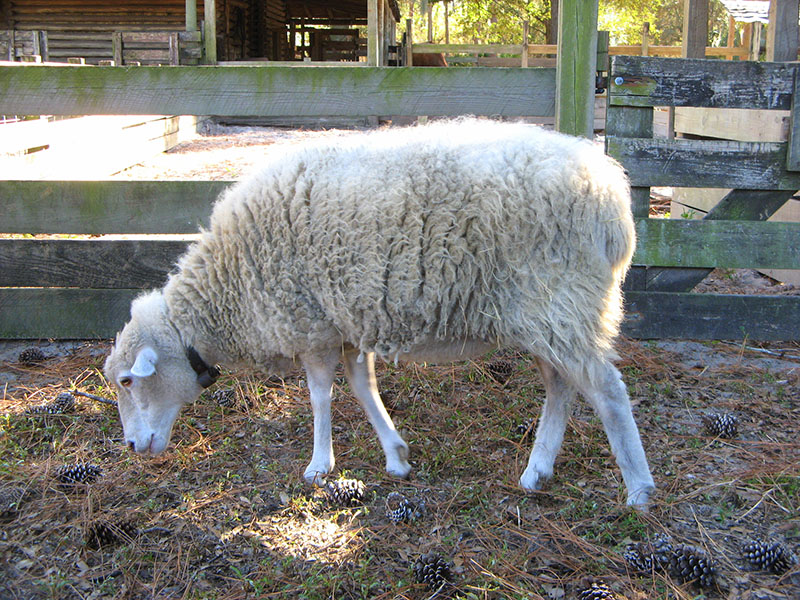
(550,431)
(320,371)
(609,397)
(361,376)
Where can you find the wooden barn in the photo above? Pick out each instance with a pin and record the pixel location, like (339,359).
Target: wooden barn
(178,32)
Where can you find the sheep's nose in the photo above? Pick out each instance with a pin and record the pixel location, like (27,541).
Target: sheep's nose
(132,445)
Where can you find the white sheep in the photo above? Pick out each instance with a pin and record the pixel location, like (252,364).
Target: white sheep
(431,243)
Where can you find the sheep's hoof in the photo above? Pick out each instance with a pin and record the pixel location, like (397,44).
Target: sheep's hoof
(639,498)
(400,470)
(314,476)
(533,480)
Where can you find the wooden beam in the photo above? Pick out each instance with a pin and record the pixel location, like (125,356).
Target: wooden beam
(695,28)
(793,154)
(89,263)
(782,32)
(210,31)
(745,205)
(525,26)
(638,81)
(276,91)
(705,163)
(107,207)
(409,42)
(191,15)
(372,33)
(717,244)
(41,313)
(650,315)
(576,67)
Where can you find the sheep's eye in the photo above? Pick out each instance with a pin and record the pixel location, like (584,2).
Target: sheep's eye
(125,381)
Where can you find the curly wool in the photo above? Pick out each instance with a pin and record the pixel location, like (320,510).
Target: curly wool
(418,243)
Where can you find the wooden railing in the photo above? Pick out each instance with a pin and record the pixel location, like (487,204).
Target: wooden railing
(674,255)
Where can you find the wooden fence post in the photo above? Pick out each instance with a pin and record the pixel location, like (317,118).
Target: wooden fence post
(409,42)
(210,30)
(116,46)
(695,28)
(576,66)
(645,38)
(782,31)
(525,26)
(191,15)
(372,33)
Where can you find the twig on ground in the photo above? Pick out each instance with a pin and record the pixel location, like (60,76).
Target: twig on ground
(96,398)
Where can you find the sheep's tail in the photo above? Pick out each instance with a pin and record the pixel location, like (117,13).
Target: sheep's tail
(620,244)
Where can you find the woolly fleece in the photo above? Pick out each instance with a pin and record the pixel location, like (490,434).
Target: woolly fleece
(425,242)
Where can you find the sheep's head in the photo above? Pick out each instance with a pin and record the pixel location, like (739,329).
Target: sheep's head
(153,376)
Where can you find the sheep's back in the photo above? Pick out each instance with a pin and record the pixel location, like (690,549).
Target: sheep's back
(464,231)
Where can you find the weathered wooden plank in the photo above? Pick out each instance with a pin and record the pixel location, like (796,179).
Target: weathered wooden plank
(96,207)
(704,163)
(713,243)
(753,205)
(782,31)
(40,313)
(649,81)
(276,91)
(631,122)
(651,315)
(576,67)
(87,263)
(695,28)
(793,154)
(34,313)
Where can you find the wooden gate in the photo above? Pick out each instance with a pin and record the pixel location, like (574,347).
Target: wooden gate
(68,285)
(674,255)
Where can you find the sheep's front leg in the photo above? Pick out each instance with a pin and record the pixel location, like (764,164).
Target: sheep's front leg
(320,371)
(550,431)
(361,376)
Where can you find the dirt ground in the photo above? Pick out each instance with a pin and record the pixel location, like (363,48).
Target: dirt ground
(224,514)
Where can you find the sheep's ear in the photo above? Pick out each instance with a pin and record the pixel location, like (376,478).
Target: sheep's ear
(145,364)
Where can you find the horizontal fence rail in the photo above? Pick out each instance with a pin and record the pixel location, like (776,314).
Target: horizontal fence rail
(674,255)
(276,91)
(644,81)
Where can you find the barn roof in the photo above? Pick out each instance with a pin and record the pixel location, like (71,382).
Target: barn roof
(748,11)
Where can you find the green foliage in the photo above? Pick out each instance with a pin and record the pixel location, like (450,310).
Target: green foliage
(500,21)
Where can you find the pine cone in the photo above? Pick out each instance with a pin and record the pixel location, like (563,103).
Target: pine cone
(63,403)
(643,557)
(31,356)
(432,569)
(400,509)
(70,475)
(688,563)
(638,558)
(346,492)
(722,425)
(500,370)
(224,398)
(104,533)
(773,556)
(596,590)
(523,427)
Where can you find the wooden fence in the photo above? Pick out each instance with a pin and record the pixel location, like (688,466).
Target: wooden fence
(675,255)
(63,287)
